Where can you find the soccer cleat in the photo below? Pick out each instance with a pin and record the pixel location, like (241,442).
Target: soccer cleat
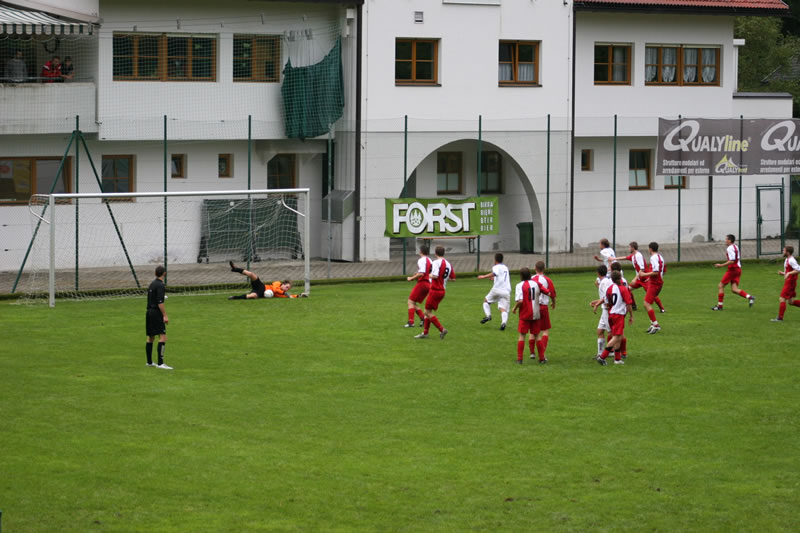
(421,336)
(663,311)
(654,330)
(151,364)
(486,319)
(233,267)
(776,320)
(519,361)
(751,300)
(533,356)
(409,325)
(619,362)
(717,308)
(543,361)
(163,366)
(650,329)
(601,361)
(502,327)
(442,333)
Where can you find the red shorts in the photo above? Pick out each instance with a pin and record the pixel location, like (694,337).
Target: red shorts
(789,288)
(420,291)
(544,318)
(434,299)
(617,324)
(733,275)
(529,326)
(652,291)
(636,283)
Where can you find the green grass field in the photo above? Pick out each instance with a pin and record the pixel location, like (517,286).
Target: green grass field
(326,415)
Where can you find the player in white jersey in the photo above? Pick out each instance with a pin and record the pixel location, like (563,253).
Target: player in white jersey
(790,272)
(606,253)
(603,282)
(637,261)
(500,292)
(618,301)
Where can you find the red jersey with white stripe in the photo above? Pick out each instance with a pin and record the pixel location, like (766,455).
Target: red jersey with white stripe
(617,299)
(527,292)
(441,271)
(637,259)
(546,284)
(733,255)
(657,265)
(424,265)
(790,264)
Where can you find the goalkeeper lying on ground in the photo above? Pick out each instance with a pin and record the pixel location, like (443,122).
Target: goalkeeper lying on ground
(277,289)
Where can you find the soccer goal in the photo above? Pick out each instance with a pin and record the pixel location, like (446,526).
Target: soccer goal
(108,244)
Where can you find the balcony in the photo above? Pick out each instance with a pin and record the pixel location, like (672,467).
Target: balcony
(41,108)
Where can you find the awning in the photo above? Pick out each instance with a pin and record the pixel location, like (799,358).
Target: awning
(21,22)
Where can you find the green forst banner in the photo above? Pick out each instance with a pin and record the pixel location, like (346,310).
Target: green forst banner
(432,217)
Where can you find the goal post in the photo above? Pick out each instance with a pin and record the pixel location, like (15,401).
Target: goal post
(92,245)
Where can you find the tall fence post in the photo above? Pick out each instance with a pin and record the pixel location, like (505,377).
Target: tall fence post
(680,186)
(166,170)
(252,238)
(77,201)
(405,178)
(614,201)
(741,134)
(478,240)
(330,188)
(547,209)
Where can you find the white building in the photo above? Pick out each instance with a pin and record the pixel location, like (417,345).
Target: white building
(441,63)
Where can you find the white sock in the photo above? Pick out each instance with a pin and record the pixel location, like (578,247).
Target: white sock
(504,316)
(601,343)
(487,309)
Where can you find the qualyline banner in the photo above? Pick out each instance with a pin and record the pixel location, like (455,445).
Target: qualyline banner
(431,217)
(712,147)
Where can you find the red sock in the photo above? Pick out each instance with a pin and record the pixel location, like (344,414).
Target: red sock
(520,349)
(420,314)
(411,316)
(658,303)
(532,345)
(604,354)
(744,295)
(542,345)
(652,315)
(617,355)
(721,297)
(436,323)
(624,346)
(781,310)
(427,323)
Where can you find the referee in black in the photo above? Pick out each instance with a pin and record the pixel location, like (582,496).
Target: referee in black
(157,319)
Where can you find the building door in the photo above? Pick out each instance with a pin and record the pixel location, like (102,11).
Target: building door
(770,225)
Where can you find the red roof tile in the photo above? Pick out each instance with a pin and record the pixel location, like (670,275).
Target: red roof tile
(777,5)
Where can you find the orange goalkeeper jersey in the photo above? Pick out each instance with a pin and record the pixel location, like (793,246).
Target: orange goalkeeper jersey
(277,292)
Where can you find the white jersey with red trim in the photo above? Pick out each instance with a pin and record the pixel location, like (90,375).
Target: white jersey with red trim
(790,264)
(547,284)
(657,265)
(527,292)
(602,286)
(606,253)
(617,299)
(501,278)
(424,265)
(733,255)
(441,271)
(637,259)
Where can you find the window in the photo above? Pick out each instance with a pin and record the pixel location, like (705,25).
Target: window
(519,63)
(587,159)
(21,177)
(178,166)
(677,65)
(225,166)
(256,58)
(674,182)
(448,173)
(639,169)
(165,57)
(415,61)
(491,172)
(281,172)
(117,173)
(612,64)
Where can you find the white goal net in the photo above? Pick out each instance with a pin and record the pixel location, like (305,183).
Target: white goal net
(108,245)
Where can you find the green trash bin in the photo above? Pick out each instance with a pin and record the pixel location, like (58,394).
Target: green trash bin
(525,237)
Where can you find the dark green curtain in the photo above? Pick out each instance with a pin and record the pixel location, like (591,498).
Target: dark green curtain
(313,96)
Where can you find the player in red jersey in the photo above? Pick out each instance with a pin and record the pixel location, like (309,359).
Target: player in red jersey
(421,288)
(732,275)
(441,271)
(526,295)
(637,260)
(545,300)
(790,272)
(655,282)
(618,301)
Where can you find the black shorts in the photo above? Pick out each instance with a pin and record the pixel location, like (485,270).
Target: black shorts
(258,287)
(155,323)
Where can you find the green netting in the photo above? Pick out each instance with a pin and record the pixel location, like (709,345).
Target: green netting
(313,96)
